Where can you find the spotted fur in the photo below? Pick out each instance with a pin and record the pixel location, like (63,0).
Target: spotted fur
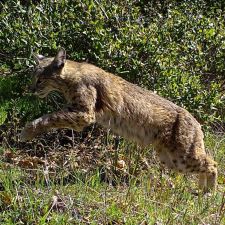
(96,96)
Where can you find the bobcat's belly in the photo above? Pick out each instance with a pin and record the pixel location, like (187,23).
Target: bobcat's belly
(131,130)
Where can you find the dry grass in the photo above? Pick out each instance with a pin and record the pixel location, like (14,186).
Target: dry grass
(103,180)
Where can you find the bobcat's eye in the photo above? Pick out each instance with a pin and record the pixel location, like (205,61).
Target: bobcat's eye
(39,82)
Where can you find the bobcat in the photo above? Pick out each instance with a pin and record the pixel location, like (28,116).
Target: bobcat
(94,95)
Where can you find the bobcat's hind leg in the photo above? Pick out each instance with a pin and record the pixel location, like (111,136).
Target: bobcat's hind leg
(196,163)
(207,174)
(202,183)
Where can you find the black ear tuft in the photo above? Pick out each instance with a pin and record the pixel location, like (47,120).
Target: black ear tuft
(60,59)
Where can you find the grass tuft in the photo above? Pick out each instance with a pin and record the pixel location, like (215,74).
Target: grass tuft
(63,192)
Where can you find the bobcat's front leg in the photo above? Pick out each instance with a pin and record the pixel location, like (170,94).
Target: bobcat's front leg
(63,119)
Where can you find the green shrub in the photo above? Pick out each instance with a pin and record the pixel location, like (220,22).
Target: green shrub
(175,48)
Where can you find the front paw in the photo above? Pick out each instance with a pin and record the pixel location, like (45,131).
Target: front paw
(27,133)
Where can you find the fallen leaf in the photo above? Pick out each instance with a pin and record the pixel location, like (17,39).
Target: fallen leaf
(5,198)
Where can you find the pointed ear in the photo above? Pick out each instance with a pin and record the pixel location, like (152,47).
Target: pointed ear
(60,59)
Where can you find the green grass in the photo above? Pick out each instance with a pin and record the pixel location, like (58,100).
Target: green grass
(35,196)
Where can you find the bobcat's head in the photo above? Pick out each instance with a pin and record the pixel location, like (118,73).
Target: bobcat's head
(46,74)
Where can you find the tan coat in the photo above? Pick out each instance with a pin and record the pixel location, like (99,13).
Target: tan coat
(96,96)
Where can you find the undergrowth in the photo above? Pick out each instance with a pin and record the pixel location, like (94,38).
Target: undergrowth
(175,48)
(103,184)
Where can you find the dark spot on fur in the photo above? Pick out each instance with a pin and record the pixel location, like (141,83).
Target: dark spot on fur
(99,104)
(163,162)
(174,161)
(70,108)
(146,132)
(183,162)
(175,130)
(192,146)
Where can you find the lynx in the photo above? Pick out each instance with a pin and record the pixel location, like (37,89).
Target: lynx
(96,96)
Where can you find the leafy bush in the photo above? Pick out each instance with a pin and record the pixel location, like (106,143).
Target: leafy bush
(175,48)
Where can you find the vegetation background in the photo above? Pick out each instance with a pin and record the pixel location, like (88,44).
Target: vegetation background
(176,48)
